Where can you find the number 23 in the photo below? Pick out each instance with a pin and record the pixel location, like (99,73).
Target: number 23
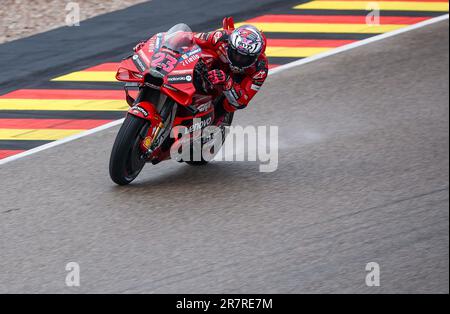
(168,64)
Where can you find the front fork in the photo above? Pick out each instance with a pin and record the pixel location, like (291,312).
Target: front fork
(159,110)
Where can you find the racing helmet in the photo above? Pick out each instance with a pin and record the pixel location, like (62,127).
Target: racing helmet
(245,45)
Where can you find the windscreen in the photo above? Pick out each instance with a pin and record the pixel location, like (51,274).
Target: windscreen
(179,38)
(175,42)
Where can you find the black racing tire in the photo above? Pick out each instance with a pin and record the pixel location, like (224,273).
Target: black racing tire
(197,163)
(126,163)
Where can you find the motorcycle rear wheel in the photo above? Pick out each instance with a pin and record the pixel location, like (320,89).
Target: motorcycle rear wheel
(227,122)
(126,160)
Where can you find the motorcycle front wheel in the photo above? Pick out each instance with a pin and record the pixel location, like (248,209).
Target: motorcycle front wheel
(126,160)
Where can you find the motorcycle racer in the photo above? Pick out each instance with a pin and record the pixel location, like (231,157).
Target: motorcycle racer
(188,83)
(242,65)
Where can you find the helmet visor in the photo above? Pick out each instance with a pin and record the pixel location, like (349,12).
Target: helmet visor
(239,60)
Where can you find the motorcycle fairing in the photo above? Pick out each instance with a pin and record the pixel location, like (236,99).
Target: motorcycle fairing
(146,110)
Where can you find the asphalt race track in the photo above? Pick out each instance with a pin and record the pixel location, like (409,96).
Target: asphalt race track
(363,177)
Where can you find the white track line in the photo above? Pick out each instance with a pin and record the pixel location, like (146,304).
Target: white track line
(61,141)
(273,71)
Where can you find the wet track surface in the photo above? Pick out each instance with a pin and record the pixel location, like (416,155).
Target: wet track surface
(363,177)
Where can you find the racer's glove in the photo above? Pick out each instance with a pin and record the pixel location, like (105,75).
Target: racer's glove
(139,46)
(233,93)
(217,77)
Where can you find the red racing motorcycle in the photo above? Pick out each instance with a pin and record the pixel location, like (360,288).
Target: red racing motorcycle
(170,73)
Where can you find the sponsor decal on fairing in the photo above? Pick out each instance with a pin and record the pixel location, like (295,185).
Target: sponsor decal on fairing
(190,59)
(138,109)
(138,62)
(174,79)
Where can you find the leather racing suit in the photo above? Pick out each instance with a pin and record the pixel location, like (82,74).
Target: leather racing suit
(238,87)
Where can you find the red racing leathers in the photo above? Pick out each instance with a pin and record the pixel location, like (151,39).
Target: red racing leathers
(238,88)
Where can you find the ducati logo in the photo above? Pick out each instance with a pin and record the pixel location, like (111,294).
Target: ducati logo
(204,107)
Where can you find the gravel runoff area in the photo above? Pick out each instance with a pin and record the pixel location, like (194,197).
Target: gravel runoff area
(22,18)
